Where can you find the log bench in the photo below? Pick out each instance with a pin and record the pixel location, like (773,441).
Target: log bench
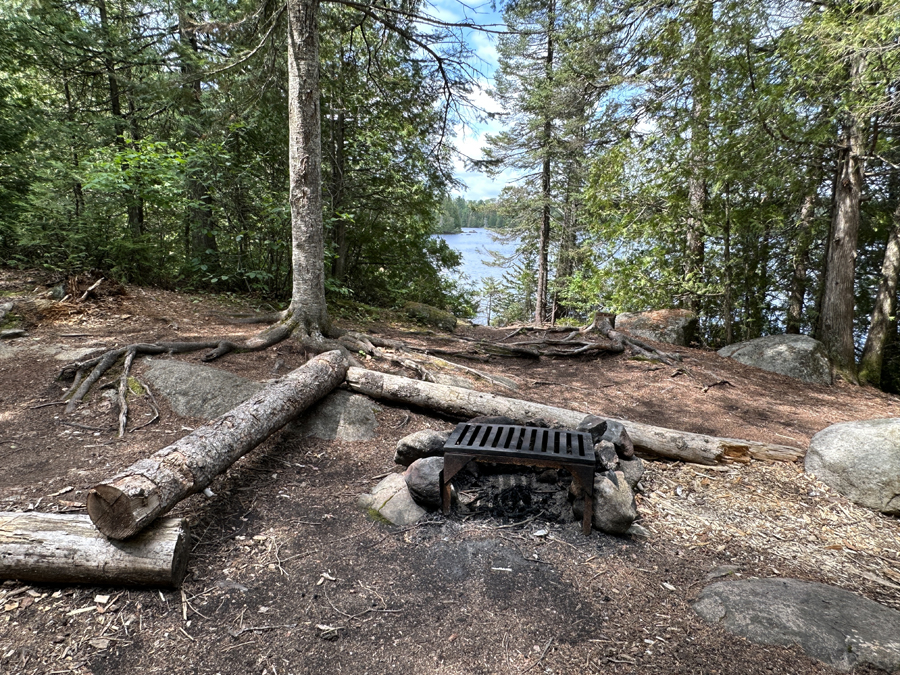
(530,446)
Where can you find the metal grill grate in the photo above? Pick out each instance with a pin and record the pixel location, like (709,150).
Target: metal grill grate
(502,440)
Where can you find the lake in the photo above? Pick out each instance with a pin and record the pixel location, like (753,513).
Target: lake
(473,245)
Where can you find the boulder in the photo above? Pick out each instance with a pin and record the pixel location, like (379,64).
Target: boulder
(605,454)
(672,326)
(391,502)
(340,416)
(830,624)
(427,443)
(614,506)
(618,436)
(430,316)
(199,391)
(861,460)
(423,478)
(797,356)
(633,469)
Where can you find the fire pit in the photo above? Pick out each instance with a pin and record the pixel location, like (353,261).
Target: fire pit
(514,444)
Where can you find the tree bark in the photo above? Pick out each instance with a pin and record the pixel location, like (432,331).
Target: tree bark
(657,441)
(801,265)
(126,503)
(695,237)
(836,321)
(307,308)
(543,272)
(883,311)
(67,548)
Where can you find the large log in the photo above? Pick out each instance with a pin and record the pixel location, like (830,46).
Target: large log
(67,548)
(657,441)
(126,503)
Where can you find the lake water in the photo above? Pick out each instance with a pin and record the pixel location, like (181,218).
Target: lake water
(473,245)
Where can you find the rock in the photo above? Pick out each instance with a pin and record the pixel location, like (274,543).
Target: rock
(451,380)
(607,459)
(427,443)
(342,416)
(199,391)
(614,507)
(492,419)
(831,624)
(391,502)
(430,316)
(797,356)
(615,433)
(638,531)
(595,426)
(11,333)
(861,460)
(423,478)
(58,292)
(633,470)
(673,326)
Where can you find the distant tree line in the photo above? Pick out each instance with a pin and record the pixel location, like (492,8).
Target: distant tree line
(457,214)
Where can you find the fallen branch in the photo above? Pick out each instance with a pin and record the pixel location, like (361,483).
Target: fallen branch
(126,503)
(657,441)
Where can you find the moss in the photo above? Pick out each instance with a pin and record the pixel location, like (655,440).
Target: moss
(374,514)
(135,387)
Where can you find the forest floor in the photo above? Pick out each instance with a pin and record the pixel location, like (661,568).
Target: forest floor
(282,549)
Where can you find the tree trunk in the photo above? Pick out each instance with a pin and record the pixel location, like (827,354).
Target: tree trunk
(308,307)
(801,264)
(66,548)
(728,282)
(200,240)
(126,503)
(465,403)
(543,273)
(702,20)
(836,321)
(883,311)
(133,202)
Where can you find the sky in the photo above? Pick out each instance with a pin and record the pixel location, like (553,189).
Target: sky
(470,137)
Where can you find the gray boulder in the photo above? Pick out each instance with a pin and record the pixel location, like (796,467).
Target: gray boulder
(423,478)
(614,506)
(427,443)
(391,502)
(199,391)
(342,416)
(633,469)
(797,356)
(672,326)
(861,460)
(830,624)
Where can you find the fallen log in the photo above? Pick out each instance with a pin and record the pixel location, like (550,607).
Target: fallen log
(126,503)
(67,548)
(657,441)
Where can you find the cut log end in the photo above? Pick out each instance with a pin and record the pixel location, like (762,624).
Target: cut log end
(117,513)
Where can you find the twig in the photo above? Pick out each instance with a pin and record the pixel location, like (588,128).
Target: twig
(524,522)
(45,405)
(543,654)
(256,629)
(89,290)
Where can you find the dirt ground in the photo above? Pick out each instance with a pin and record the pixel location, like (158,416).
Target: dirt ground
(286,575)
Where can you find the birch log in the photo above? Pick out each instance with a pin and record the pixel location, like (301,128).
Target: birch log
(126,503)
(657,441)
(67,548)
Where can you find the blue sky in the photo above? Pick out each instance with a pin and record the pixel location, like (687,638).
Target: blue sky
(470,136)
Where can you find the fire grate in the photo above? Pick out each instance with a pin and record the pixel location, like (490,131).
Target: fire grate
(513,444)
